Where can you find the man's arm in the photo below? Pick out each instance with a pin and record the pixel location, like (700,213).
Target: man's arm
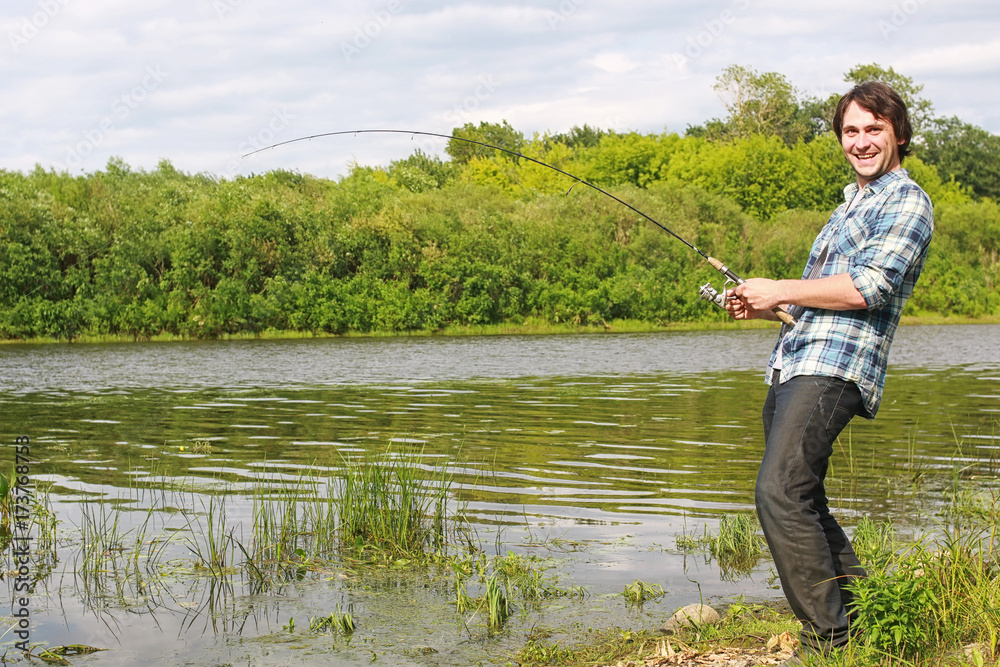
(756,298)
(831,293)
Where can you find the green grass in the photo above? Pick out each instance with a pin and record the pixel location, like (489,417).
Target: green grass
(738,546)
(639,592)
(931,603)
(209,541)
(339,622)
(388,506)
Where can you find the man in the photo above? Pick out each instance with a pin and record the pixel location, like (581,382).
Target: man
(831,365)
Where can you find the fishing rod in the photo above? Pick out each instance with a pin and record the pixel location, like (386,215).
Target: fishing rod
(706,292)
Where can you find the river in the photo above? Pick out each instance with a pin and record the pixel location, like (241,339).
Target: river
(594,452)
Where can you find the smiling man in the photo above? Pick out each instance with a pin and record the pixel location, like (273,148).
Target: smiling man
(831,365)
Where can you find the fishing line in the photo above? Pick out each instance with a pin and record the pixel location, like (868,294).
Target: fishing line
(707,291)
(579,181)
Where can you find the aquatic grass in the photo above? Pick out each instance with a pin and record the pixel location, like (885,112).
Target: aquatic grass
(974,506)
(6,497)
(498,603)
(43,522)
(739,546)
(212,546)
(639,592)
(116,566)
(503,580)
(384,505)
(339,622)
(101,538)
(848,452)
(526,581)
(689,542)
(463,601)
(289,523)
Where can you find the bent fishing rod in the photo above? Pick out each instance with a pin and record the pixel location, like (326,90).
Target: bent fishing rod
(706,292)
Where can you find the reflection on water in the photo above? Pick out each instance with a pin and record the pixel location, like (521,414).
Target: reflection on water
(614,444)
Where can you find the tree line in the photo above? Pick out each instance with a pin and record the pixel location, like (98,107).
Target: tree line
(482,237)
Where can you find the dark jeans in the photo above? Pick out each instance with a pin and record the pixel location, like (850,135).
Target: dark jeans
(814,558)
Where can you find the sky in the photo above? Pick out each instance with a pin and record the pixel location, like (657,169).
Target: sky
(202,82)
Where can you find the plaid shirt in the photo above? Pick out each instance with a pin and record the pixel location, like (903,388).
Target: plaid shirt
(881,243)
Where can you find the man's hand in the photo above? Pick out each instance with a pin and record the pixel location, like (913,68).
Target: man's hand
(750,303)
(760,294)
(755,298)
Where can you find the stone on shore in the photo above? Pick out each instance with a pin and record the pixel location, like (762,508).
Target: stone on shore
(692,615)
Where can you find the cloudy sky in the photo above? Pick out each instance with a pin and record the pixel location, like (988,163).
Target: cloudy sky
(200,82)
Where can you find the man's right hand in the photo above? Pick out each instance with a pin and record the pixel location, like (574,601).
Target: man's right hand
(739,309)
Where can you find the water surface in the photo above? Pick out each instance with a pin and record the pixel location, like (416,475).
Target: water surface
(594,450)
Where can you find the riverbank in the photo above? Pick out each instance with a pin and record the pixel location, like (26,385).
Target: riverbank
(530,327)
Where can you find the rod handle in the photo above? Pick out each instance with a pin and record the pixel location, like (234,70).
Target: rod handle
(784,316)
(728,273)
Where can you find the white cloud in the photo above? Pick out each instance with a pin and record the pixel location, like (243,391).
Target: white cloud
(617,63)
(543,65)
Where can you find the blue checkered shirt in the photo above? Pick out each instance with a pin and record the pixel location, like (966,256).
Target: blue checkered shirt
(881,242)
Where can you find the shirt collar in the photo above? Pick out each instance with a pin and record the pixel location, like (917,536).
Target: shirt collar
(879,184)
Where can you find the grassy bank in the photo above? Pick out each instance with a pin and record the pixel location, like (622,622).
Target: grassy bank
(928,603)
(529,327)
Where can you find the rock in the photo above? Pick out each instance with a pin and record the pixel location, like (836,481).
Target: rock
(690,616)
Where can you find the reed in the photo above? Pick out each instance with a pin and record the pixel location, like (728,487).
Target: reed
(6,499)
(739,546)
(291,524)
(115,564)
(498,603)
(212,546)
(385,505)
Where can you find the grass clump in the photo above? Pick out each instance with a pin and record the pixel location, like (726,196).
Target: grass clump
(931,601)
(386,505)
(602,647)
(738,547)
(639,592)
(503,580)
(339,622)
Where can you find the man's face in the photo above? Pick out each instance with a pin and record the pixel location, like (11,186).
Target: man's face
(869,143)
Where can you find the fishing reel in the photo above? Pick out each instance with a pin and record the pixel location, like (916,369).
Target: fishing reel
(708,293)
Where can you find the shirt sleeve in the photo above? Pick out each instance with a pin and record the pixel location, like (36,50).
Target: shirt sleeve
(900,232)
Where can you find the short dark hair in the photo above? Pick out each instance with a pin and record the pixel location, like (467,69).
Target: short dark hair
(881,101)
